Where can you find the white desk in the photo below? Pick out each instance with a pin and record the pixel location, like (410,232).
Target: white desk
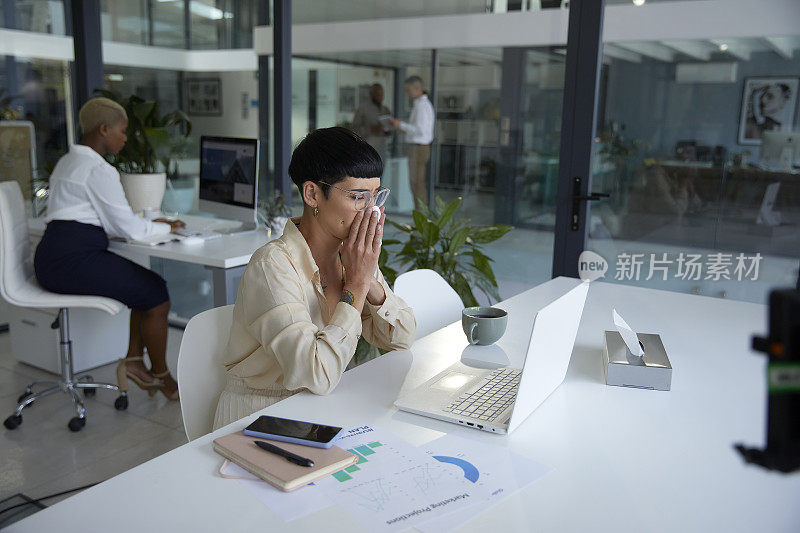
(225,256)
(623,459)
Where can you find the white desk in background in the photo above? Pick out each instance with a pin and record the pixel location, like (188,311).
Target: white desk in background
(623,459)
(226,256)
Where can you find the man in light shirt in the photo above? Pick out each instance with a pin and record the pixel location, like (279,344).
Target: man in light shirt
(419,136)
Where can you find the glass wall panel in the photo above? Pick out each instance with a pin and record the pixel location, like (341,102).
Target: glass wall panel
(42,16)
(497,183)
(39,95)
(125,22)
(311,11)
(214,24)
(341,90)
(217,24)
(161,86)
(168,19)
(700,149)
(158,23)
(498,132)
(354,90)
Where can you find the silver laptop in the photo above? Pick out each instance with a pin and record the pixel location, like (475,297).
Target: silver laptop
(499,400)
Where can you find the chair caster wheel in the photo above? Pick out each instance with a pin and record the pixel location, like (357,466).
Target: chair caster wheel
(89,392)
(76,424)
(24,396)
(12,421)
(121,403)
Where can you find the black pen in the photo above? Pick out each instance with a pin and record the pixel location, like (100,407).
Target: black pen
(294,458)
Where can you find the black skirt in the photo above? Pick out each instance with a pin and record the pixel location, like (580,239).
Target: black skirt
(73,258)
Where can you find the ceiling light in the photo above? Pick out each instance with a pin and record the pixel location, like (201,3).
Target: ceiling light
(209,12)
(638,2)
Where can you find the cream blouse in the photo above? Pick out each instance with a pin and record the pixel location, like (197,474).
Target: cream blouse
(282,333)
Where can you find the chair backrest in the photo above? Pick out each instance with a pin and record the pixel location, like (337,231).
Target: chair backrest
(435,303)
(16,267)
(201,374)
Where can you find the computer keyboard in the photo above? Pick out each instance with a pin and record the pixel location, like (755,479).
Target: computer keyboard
(489,401)
(199,226)
(204,234)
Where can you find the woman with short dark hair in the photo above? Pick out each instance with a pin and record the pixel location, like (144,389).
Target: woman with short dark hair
(307,297)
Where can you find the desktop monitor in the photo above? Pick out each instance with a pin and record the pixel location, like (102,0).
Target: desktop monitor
(780,149)
(229,177)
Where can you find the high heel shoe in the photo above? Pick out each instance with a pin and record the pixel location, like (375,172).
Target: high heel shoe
(171,397)
(123,375)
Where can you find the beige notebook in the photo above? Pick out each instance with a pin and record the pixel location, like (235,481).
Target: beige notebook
(274,469)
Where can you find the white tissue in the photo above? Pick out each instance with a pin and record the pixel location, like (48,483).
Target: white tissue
(628,335)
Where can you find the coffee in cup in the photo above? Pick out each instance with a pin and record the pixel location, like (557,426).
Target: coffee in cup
(484,325)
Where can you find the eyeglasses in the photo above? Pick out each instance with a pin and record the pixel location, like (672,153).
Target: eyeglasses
(363,199)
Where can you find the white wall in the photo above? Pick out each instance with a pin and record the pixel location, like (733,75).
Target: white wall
(236,120)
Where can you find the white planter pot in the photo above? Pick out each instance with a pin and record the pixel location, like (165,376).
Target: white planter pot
(144,191)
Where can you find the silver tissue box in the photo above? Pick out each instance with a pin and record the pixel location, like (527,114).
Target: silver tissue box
(623,369)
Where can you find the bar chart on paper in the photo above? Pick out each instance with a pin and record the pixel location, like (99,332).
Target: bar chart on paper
(362,452)
(395,485)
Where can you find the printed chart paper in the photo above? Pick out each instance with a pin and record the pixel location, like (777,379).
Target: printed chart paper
(394,485)
(496,471)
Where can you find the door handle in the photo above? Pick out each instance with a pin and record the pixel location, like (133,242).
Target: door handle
(577,198)
(593,196)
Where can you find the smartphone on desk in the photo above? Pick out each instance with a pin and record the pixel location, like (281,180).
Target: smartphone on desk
(296,431)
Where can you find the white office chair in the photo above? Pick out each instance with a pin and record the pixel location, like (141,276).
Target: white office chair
(435,303)
(201,374)
(18,286)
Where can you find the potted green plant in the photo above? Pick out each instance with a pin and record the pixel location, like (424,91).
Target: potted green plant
(147,156)
(440,241)
(451,246)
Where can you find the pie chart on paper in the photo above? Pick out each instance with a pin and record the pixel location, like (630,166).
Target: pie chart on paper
(470,472)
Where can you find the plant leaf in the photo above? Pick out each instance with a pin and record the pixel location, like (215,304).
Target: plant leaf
(420,221)
(459,239)
(431,235)
(423,209)
(177,117)
(490,234)
(448,211)
(482,264)
(461,286)
(142,111)
(402,227)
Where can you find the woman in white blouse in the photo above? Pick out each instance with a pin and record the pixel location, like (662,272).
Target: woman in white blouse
(307,297)
(87,202)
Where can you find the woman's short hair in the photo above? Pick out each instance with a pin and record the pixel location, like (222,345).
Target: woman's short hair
(98,111)
(330,155)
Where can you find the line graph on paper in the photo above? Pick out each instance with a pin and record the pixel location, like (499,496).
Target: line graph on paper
(374,495)
(427,478)
(392,479)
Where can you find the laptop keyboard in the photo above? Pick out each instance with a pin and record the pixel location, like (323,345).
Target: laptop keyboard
(489,401)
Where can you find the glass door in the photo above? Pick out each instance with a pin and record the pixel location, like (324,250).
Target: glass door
(699,149)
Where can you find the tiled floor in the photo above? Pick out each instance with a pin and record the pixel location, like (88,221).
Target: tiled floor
(43,457)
